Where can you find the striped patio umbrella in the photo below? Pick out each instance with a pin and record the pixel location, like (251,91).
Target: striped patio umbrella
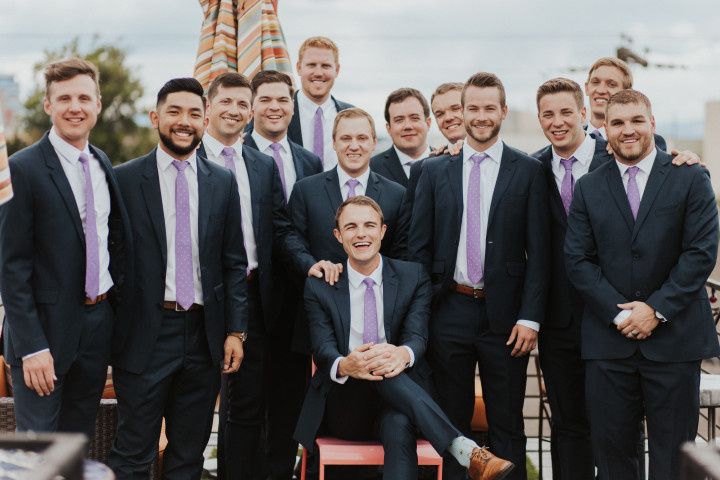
(5,185)
(240,36)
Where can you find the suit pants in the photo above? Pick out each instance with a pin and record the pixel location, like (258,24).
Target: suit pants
(564,374)
(392,410)
(180,383)
(73,404)
(620,392)
(460,339)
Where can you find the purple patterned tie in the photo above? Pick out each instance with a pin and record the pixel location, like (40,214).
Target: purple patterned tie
(318,136)
(568,182)
(184,284)
(352,183)
(228,153)
(278,161)
(633,192)
(370,320)
(474,221)
(92,249)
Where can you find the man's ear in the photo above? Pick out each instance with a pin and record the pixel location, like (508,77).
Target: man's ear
(337,234)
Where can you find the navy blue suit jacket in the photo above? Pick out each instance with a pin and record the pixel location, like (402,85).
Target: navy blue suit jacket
(516,261)
(388,165)
(564,303)
(663,259)
(406,309)
(222,258)
(42,256)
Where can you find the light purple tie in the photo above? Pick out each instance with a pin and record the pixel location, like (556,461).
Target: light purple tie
(370,320)
(228,153)
(278,161)
(318,136)
(474,221)
(184,284)
(92,249)
(568,182)
(633,192)
(352,183)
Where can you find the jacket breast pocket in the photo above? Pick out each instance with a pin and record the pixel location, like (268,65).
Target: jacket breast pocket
(668,208)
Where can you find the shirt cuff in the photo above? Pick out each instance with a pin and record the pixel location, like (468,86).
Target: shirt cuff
(660,317)
(334,371)
(621,317)
(25,357)
(529,324)
(412,357)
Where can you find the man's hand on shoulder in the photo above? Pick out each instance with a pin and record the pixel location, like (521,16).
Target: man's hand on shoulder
(685,157)
(324,268)
(355,365)
(39,373)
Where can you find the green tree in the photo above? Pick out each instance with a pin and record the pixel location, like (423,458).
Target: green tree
(116,132)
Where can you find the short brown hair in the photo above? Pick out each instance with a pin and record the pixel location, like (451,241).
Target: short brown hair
(227,80)
(446,87)
(319,42)
(484,80)
(402,94)
(353,113)
(560,85)
(70,68)
(626,97)
(271,76)
(617,63)
(362,201)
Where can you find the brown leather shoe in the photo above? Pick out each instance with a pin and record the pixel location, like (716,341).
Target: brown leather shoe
(486,466)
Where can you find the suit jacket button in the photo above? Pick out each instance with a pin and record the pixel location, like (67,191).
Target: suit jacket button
(636,257)
(638,294)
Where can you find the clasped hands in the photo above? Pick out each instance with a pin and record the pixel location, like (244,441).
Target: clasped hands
(641,322)
(374,362)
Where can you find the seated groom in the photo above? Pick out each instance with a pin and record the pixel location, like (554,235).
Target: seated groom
(366,330)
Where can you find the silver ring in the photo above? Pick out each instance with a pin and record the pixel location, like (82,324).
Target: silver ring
(634,333)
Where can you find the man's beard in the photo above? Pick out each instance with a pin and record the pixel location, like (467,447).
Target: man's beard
(179,150)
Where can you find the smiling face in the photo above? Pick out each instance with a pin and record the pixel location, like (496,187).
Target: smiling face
(318,70)
(408,126)
(73,106)
(354,141)
(630,128)
(228,113)
(483,115)
(180,121)
(604,82)
(448,112)
(561,120)
(272,110)
(360,230)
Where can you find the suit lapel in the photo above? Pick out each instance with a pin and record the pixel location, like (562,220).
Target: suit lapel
(332,188)
(600,156)
(150,187)
(507,170)
(655,181)
(373,188)
(249,141)
(392,163)
(455,173)
(294,129)
(205,195)
(254,179)
(342,302)
(556,205)
(617,191)
(297,160)
(390,290)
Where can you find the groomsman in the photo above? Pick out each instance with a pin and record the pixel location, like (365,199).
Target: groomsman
(479,225)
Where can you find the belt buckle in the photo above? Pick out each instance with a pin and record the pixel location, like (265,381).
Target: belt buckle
(476,292)
(178,307)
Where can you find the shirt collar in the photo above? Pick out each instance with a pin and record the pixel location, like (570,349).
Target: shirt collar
(494,152)
(165,160)
(310,107)
(405,158)
(344,177)
(263,143)
(64,149)
(356,278)
(583,154)
(645,165)
(215,146)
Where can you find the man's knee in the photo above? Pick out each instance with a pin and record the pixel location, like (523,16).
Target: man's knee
(397,428)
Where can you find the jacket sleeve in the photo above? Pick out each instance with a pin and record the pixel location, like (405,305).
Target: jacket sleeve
(322,332)
(234,264)
(414,332)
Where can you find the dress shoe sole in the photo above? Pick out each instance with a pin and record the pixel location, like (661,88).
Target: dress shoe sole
(505,473)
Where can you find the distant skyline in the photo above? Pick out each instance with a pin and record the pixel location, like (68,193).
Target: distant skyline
(419,43)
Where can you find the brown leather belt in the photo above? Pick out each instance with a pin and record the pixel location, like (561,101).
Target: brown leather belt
(96,300)
(176,307)
(468,291)
(251,276)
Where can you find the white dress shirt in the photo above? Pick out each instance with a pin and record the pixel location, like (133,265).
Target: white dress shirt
(641,177)
(489,170)
(213,148)
(584,155)
(406,160)
(343,177)
(307,109)
(168,174)
(70,161)
(357,314)
(285,155)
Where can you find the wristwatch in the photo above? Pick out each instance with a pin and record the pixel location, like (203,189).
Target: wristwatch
(241,335)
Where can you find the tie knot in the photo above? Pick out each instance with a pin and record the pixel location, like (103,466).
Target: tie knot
(319,112)
(632,171)
(369,282)
(478,158)
(410,163)
(275,147)
(568,163)
(83,158)
(352,183)
(180,165)
(228,152)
